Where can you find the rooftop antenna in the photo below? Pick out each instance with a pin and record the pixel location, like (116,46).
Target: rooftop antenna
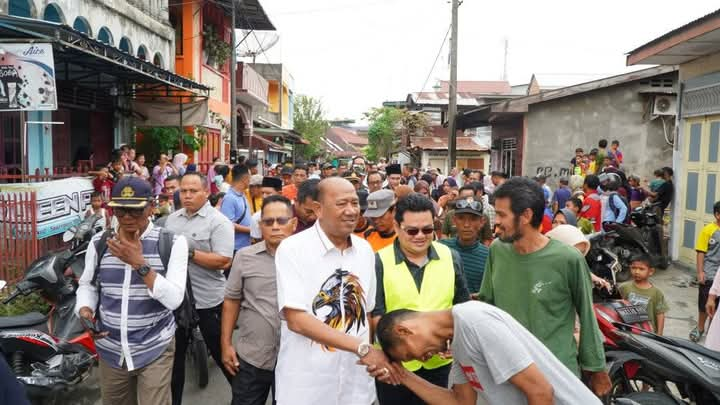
(505,64)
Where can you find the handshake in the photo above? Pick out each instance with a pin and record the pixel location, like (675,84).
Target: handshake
(379,366)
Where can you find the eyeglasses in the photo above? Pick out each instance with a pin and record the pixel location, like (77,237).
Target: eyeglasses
(133,212)
(469,203)
(271,221)
(414,231)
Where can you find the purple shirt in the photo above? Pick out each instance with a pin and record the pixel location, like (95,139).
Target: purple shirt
(637,194)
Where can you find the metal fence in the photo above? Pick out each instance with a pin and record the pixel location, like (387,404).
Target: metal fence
(18,233)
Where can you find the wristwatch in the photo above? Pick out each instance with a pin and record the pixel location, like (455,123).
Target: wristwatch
(143,270)
(191,253)
(363,349)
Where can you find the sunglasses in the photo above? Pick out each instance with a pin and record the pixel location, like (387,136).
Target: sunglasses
(133,212)
(414,231)
(279,220)
(469,203)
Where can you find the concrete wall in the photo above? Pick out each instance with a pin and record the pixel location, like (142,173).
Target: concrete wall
(143,22)
(555,128)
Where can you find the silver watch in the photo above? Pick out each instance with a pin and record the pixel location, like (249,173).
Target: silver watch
(363,349)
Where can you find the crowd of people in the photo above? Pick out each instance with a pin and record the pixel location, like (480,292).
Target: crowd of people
(353,282)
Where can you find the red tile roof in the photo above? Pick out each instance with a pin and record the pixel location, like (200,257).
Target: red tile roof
(348,136)
(478,87)
(464,143)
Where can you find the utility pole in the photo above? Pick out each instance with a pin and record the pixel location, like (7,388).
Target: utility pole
(233,86)
(452,107)
(505,64)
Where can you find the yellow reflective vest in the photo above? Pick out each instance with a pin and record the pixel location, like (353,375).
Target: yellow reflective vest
(436,291)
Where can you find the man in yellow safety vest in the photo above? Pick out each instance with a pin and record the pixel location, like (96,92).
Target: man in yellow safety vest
(418,274)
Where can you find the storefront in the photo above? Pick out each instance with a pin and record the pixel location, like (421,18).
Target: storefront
(95,85)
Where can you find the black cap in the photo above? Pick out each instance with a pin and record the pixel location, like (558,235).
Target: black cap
(131,192)
(273,182)
(393,169)
(286,171)
(328,166)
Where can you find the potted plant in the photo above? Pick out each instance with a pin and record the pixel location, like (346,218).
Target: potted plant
(215,50)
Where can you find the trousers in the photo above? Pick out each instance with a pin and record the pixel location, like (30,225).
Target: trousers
(391,394)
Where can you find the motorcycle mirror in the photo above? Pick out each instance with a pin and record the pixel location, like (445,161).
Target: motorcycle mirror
(3,283)
(68,235)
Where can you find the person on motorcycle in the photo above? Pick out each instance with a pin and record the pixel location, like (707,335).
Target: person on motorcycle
(615,208)
(640,291)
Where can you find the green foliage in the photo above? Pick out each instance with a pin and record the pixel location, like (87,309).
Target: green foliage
(218,51)
(157,140)
(309,120)
(24,304)
(386,125)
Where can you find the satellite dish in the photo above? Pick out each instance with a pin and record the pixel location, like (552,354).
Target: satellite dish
(256,43)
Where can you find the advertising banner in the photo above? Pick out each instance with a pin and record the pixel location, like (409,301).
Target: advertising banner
(60,203)
(27,77)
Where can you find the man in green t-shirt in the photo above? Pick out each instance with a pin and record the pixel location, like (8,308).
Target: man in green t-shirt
(543,283)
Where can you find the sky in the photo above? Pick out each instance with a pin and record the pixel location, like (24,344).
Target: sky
(355,54)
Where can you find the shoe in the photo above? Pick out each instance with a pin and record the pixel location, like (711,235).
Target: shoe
(696,334)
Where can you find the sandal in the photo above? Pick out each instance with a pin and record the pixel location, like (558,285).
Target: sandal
(696,334)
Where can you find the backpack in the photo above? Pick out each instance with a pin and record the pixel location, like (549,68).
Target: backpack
(616,210)
(186,316)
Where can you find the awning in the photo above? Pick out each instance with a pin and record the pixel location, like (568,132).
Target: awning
(249,15)
(87,62)
(268,143)
(288,134)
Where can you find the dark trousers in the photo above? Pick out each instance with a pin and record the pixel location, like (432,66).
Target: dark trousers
(210,319)
(392,394)
(251,385)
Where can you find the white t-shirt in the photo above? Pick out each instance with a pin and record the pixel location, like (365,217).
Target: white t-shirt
(489,347)
(255,231)
(310,274)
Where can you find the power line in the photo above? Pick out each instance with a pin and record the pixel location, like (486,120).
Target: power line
(432,69)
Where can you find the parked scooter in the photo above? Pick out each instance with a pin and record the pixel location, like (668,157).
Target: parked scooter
(53,352)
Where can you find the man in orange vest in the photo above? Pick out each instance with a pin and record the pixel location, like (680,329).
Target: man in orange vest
(380,213)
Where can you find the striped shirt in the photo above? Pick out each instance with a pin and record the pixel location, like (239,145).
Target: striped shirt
(139,321)
(473,259)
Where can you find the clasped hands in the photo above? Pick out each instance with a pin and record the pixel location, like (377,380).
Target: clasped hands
(379,366)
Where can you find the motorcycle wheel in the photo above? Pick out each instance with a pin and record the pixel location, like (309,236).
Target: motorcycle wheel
(622,388)
(200,362)
(651,398)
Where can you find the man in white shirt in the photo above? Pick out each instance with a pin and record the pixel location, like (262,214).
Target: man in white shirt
(326,290)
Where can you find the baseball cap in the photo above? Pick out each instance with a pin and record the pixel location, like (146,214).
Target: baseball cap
(468,206)
(353,177)
(131,192)
(328,166)
(256,180)
(379,202)
(286,171)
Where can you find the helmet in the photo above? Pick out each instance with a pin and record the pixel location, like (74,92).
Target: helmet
(610,181)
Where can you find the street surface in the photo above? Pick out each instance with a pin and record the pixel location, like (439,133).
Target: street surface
(674,282)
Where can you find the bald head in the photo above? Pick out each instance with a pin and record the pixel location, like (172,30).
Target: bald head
(334,184)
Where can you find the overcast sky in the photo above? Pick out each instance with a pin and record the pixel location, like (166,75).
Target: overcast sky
(355,54)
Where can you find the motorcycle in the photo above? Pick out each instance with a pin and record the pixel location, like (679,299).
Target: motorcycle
(51,353)
(683,370)
(649,225)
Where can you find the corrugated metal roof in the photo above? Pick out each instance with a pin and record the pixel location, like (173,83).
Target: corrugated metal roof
(478,87)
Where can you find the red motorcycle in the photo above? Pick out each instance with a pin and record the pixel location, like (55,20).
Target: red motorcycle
(50,353)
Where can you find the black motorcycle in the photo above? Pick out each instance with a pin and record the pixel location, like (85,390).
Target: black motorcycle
(683,370)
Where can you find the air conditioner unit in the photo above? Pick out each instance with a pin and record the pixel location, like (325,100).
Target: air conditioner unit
(665,105)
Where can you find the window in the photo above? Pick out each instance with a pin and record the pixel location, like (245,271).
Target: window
(54,14)
(105,36)
(176,22)
(20,8)
(126,46)
(508,156)
(142,52)
(158,60)
(82,25)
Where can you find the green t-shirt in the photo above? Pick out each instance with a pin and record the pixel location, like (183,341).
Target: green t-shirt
(543,291)
(651,298)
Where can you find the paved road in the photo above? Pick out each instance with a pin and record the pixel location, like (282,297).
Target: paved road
(674,282)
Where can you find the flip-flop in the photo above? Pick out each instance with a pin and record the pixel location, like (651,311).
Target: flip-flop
(696,334)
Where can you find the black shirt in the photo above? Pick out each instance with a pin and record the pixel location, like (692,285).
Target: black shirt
(461,292)
(665,194)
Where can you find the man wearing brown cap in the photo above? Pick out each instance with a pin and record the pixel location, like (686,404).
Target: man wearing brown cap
(394,176)
(380,213)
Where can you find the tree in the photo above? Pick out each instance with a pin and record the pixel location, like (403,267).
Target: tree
(309,120)
(386,126)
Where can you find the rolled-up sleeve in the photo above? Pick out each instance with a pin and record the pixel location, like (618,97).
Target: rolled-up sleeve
(170,289)
(87,294)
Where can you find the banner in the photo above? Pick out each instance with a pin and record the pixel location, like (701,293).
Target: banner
(27,77)
(162,114)
(60,203)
